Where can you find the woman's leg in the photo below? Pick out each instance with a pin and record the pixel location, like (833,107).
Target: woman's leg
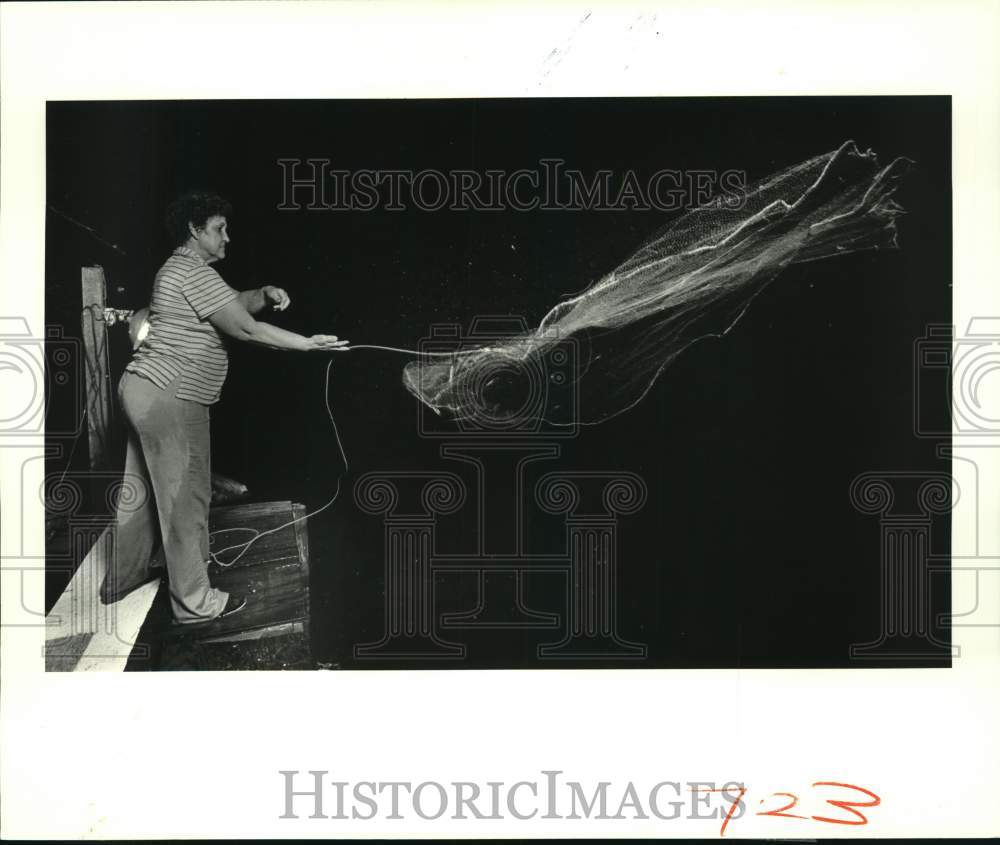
(199,492)
(135,523)
(175,442)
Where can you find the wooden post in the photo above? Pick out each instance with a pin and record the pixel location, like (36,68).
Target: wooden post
(95,344)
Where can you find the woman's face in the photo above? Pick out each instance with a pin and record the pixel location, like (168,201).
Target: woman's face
(210,240)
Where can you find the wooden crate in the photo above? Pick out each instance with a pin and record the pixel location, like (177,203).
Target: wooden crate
(274,575)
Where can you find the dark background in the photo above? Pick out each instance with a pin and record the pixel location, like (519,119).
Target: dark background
(748,551)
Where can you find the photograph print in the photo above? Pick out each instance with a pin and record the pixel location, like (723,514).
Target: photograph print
(637,383)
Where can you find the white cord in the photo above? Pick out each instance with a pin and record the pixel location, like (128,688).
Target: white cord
(257,535)
(214,556)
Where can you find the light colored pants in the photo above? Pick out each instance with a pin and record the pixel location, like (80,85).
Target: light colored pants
(169,451)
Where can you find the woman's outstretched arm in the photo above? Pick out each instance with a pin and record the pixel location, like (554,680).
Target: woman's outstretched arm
(235,321)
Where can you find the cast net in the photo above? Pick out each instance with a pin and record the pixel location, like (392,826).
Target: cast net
(598,353)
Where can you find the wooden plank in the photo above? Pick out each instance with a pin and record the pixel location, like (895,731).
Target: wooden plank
(232,514)
(95,344)
(280,546)
(271,549)
(261,633)
(107,634)
(84,635)
(301,535)
(272,581)
(273,574)
(302,541)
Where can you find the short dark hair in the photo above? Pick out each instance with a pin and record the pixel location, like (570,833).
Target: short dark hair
(194,207)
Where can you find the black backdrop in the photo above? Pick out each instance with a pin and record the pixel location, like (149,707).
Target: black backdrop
(748,551)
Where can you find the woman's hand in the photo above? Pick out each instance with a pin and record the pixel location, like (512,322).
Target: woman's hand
(276,297)
(326,343)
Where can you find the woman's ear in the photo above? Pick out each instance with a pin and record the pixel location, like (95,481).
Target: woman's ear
(193,230)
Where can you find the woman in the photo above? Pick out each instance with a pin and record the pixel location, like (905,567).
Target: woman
(166,392)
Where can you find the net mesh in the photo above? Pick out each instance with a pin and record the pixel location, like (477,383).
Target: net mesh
(693,279)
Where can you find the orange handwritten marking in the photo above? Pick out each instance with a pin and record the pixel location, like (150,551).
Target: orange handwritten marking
(732,807)
(781,810)
(848,805)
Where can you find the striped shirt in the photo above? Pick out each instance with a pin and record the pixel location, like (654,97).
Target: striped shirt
(181,341)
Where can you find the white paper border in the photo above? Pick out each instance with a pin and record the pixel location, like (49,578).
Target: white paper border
(143,754)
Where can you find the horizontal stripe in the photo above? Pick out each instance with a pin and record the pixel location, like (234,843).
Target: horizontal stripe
(181,341)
